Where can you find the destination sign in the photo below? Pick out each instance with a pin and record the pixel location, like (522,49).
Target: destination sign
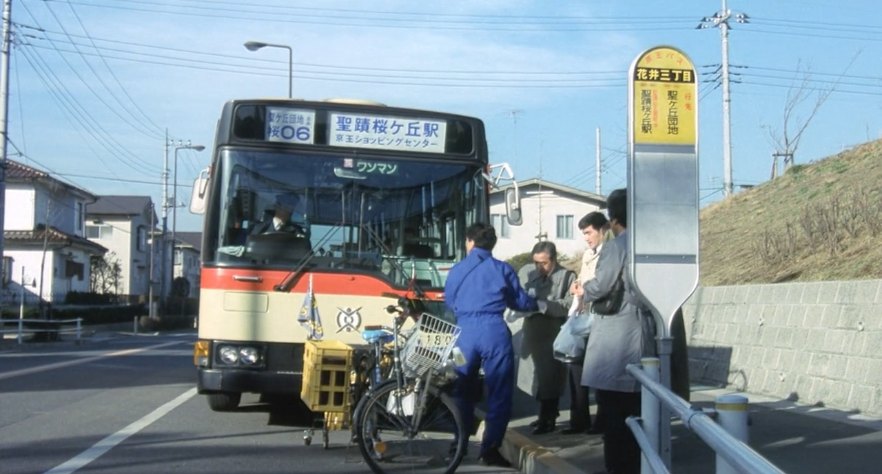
(290,125)
(386,132)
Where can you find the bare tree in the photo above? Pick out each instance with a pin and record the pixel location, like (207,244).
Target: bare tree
(794,125)
(106,274)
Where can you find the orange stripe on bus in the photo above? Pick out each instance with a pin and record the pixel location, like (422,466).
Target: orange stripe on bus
(323,283)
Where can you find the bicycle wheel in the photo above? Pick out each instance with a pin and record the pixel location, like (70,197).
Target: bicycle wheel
(397,433)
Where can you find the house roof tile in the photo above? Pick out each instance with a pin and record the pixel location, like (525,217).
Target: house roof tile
(53,236)
(119,205)
(19,172)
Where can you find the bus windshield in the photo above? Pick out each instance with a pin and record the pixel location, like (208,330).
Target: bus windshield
(403,219)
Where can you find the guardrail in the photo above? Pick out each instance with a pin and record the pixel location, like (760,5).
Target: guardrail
(727,439)
(54,326)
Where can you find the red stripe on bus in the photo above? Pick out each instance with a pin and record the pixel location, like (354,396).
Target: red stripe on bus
(324,283)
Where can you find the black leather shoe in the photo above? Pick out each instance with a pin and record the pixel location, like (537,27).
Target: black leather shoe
(543,427)
(493,458)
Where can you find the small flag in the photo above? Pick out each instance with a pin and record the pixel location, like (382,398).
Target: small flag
(309,315)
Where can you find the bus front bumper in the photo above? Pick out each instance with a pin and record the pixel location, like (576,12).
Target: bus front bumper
(245,381)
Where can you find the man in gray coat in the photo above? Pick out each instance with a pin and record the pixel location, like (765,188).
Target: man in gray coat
(550,283)
(617,340)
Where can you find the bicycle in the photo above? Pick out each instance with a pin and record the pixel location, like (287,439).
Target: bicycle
(410,422)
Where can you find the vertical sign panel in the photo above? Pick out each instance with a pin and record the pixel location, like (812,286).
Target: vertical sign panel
(665,101)
(663,180)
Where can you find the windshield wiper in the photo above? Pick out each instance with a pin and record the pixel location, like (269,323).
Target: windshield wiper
(290,278)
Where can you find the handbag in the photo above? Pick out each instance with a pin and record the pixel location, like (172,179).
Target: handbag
(612,302)
(568,347)
(580,324)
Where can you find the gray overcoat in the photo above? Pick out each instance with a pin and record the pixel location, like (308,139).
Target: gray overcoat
(540,329)
(619,339)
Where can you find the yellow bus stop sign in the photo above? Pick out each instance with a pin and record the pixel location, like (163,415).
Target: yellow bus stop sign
(663,195)
(665,98)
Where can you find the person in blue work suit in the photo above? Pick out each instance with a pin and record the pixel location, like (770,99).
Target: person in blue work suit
(478,290)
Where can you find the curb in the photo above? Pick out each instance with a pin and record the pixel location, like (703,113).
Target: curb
(531,458)
(527,456)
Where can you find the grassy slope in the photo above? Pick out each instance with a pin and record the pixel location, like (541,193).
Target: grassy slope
(733,231)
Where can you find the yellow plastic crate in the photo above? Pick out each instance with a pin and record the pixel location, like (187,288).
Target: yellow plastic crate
(326,367)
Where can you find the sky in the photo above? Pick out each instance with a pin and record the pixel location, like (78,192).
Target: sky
(95,86)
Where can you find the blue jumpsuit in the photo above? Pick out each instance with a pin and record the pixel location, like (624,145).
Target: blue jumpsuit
(478,290)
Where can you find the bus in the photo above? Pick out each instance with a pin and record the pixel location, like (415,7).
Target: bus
(379,199)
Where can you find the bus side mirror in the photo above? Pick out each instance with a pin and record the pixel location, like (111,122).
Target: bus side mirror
(513,206)
(200,190)
(500,175)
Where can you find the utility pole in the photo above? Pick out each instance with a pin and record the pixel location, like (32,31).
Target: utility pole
(164,252)
(721,20)
(4,115)
(151,308)
(597,162)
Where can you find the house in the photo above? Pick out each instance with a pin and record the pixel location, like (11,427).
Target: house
(550,212)
(44,243)
(188,250)
(122,224)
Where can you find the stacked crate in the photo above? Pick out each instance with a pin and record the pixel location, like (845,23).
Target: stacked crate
(326,372)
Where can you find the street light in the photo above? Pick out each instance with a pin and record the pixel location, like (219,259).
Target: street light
(188,146)
(255,45)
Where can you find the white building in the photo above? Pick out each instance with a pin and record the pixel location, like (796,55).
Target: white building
(44,244)
(122,224)
(188,249)
(550,212)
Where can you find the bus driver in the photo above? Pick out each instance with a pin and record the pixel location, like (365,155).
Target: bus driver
(281,221)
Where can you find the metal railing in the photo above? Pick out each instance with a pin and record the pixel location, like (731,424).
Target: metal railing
(727,439)
(35,326)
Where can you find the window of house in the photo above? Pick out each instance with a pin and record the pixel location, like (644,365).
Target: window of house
(79,218)
(500,223)
(178,256)
(74,269)
(142,238)
(99,231)
(564,227)
(7,271)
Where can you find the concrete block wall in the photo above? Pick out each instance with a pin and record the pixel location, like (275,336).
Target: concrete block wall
(814,343)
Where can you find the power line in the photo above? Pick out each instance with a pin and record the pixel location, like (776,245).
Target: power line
(590,78)
(78,115)
(374,19)
(114,110)
(116,79)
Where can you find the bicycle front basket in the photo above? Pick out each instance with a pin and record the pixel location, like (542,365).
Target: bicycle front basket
(428,348)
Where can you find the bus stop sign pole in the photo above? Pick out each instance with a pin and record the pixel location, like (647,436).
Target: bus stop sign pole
(663,193)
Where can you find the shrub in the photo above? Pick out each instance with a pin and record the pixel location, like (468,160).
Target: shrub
(519,260)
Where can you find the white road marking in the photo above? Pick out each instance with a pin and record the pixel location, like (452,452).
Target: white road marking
(100,448)
(67,363)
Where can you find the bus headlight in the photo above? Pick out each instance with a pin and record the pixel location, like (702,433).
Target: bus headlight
(249,355)
(228,355)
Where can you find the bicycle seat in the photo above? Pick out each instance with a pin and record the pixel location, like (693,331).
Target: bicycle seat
(373,336)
